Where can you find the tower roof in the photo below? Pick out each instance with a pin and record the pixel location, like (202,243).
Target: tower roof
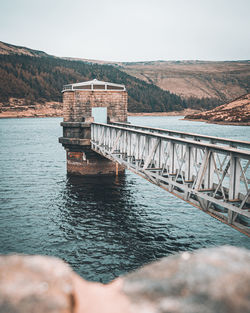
(94,85)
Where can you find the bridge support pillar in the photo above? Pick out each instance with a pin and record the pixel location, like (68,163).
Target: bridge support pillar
(95,164)
(81,160)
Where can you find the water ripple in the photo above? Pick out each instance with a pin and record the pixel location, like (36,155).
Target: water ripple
(104,227)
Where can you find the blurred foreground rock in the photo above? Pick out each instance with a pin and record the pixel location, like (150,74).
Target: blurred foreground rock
(209,280)
(35,284)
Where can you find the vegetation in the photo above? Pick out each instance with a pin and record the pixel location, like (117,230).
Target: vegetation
(40,79)
(203,103)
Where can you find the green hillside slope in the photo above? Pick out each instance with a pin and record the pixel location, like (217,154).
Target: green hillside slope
(41,79)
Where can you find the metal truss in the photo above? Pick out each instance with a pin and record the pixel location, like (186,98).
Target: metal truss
(204,171)
(197,137)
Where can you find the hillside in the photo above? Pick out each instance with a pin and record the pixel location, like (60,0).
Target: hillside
(236,112)
(192,80)
(39,78)
(31,79)
(8,49)
(201,79)
(214,82)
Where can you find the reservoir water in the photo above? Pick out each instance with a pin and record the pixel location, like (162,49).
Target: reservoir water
(103,227)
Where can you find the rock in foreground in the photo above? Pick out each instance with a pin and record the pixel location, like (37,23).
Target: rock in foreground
(207,281)
(236,112)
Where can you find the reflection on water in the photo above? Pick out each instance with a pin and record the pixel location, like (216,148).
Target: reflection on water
(106,232)
(105,226)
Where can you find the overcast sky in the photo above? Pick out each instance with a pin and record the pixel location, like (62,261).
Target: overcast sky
(130,30)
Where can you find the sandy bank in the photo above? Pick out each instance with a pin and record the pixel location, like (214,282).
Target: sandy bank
(174,113)
(48,111)
(18,108)
(219,123)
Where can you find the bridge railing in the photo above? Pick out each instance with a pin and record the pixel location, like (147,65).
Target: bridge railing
(197,137)
(212,177)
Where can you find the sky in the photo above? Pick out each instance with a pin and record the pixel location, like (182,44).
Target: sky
(130,30)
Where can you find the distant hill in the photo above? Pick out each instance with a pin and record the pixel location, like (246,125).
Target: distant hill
(8,49)
(218,80)
(200,79)
(33,77)
(235,112)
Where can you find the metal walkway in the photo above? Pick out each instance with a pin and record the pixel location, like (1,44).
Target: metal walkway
(210,173)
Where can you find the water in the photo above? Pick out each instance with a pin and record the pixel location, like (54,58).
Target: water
(103,227)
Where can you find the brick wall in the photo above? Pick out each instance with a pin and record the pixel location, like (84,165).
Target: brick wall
(77,104)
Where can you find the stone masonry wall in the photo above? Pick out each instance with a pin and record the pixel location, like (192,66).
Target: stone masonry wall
(78,104)
(68,109)
(77,113)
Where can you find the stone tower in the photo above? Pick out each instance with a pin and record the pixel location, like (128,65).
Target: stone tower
(84,103)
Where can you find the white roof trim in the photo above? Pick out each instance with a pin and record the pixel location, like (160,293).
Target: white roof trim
(92,83)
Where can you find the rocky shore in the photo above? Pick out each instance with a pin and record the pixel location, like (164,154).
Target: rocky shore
(207,281)
(173,113)
(236,112)
(18,108)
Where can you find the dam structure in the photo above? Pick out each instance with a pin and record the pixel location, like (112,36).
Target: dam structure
(210,173)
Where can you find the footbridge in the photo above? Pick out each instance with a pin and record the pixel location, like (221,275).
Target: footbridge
(211,173)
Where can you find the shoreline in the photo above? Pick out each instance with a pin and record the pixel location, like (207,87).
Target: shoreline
(215,122)
(30,116)
(59,113)
(18,108)
(173,113)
